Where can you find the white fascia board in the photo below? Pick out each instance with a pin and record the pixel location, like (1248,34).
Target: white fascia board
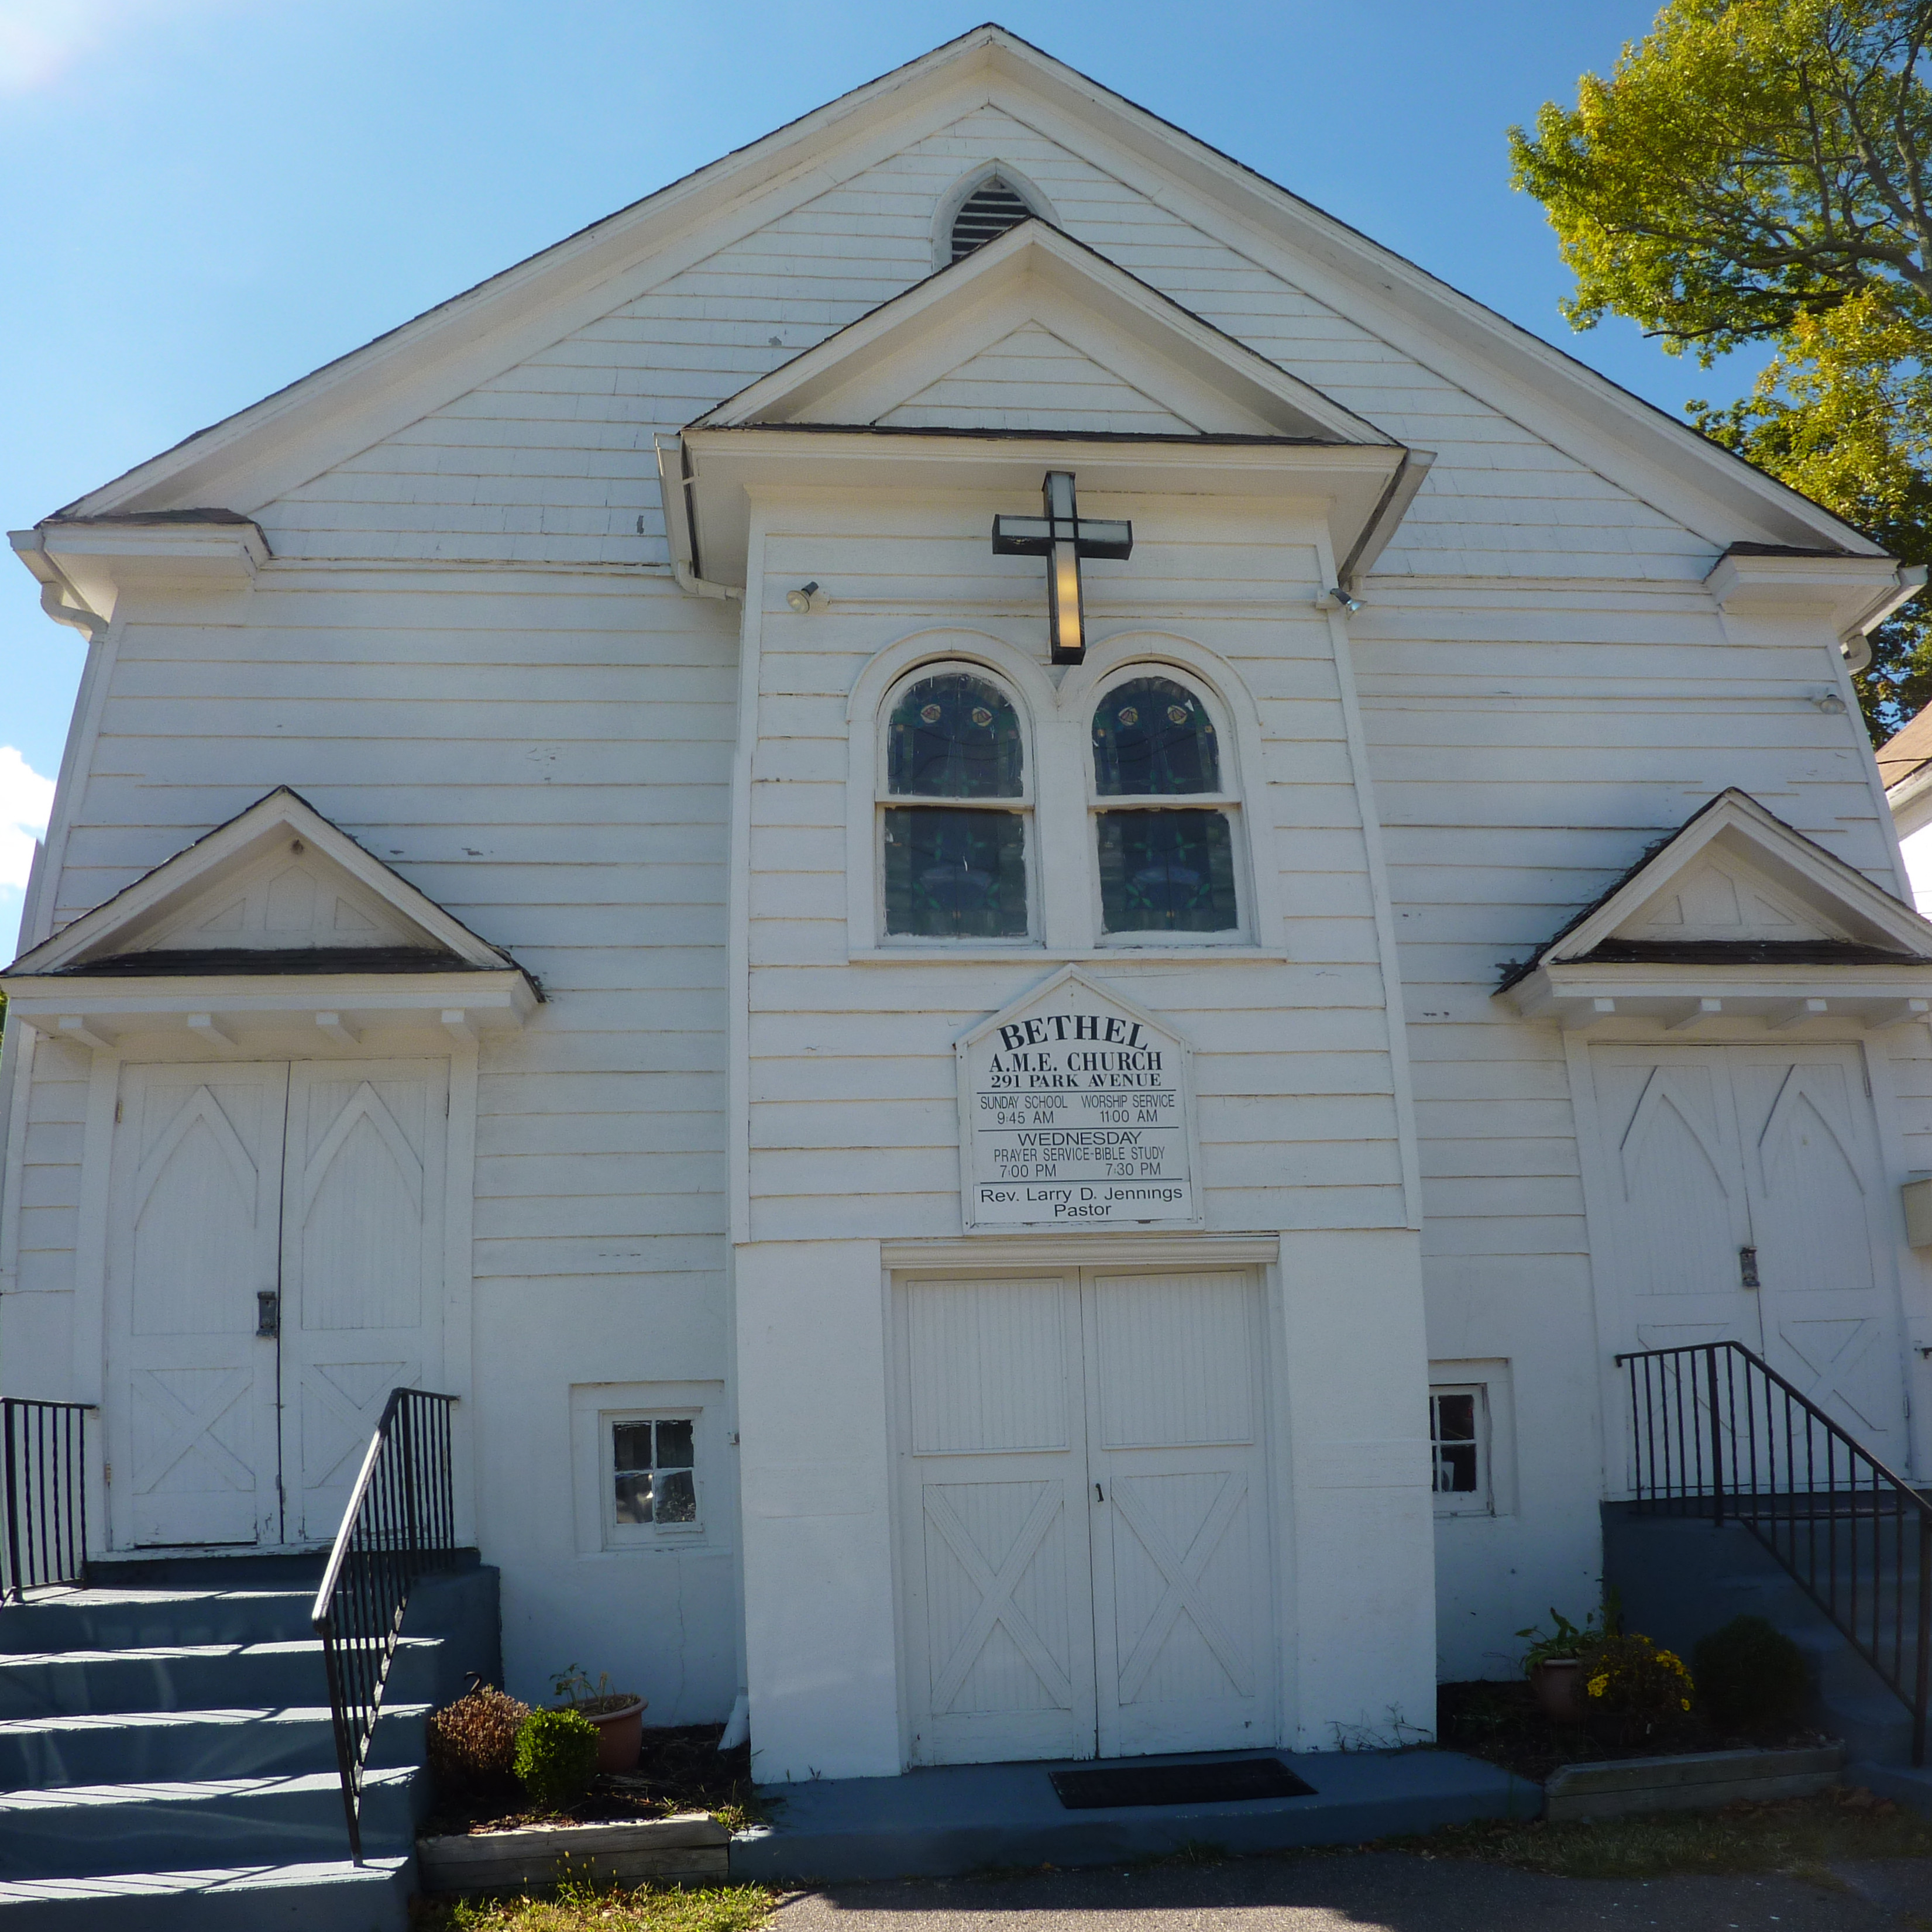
(283,813)
(1842,589)
(248,459)
(1600,992)
(849,377)
(500,999)
(102,559)
(1552,394)
(253,457)
(1773,845)
(1341,483)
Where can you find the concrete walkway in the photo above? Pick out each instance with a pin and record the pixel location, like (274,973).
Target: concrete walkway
(966,1818)
(1376,1891)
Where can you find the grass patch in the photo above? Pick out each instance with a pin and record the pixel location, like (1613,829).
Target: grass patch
(1802,1835)
(573,1907)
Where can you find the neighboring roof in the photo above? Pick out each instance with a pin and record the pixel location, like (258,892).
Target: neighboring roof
(350,403)
(1907,751)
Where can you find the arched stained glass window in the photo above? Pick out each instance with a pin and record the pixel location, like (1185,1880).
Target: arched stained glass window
(954,735)
(990,210)
(1152,736)
(955,863)
(1163,868)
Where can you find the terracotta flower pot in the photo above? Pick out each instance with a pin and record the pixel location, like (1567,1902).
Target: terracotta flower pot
(620,1729)
(1557,1682)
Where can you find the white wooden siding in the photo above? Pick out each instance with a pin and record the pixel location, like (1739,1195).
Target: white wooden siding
(553,459)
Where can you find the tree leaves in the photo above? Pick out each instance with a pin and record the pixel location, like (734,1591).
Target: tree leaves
(1757,171)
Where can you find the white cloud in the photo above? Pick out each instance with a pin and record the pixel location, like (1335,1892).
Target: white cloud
(26,799)
(41,40)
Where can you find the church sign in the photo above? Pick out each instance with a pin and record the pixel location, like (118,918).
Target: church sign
(1076,1110)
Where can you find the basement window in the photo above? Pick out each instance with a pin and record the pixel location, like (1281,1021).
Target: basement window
(1459,1450)
(987,213)
(652,1476)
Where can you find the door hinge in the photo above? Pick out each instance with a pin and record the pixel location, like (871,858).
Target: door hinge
(107,1475)
(118,1105)
(268,1312)
(1747,1266)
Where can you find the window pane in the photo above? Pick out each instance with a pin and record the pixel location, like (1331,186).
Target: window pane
(1455,1418)
(677,1498)
(1166,872)
(1153,739)
(1456,1468)
(634,1499)
(674,1445)
(631,1445)
(955,874)
(953,737)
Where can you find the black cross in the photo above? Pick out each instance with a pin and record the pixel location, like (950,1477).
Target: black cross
(1062,536)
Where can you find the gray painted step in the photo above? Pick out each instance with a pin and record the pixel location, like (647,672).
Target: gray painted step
(321,1897)
(147,1746)
(75,1831)
(190,1677)
(134,1619)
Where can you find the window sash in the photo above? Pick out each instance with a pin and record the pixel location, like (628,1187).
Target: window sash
(1447,1452)
(618,1531)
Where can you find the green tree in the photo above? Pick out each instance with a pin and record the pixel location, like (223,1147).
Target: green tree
(1760,172)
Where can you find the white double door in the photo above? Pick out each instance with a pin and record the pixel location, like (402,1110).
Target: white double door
(1085,1551)
(275,1268)
(1714,1151)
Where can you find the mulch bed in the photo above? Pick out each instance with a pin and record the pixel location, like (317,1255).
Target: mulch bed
(680,1769)
(1501,1723)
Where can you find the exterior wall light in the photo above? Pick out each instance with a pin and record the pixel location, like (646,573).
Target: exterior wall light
(800,599)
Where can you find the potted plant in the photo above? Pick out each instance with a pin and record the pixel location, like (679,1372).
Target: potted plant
(1553,1664)
(619,1715)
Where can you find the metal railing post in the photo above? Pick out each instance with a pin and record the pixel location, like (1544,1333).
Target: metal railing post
(1923,1687)
(1717,1445)
(12,1476)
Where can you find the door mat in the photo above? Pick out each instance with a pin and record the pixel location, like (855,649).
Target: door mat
(1230,1782)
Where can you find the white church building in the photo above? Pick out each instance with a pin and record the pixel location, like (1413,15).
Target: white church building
(1017,901)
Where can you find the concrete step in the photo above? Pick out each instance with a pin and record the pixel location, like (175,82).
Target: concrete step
(324,1896)
(1904,1784)
(136,1619)
(194,1677)
(145,1747)
(78,1830)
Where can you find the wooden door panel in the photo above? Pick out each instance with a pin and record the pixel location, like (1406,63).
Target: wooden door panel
(1678,1208)
(1183,1642)
(193,1221)
(997,1609)
(362,1264)
(1819,1204)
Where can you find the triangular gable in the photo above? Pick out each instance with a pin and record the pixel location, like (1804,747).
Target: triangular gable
(277,879)
(1736,878)
(351,404)
(1038,287)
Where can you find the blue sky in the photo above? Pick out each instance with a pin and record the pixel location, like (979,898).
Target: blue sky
(209,198)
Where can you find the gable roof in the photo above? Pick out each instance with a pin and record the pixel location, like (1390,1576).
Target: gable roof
(249,458)
(1854,920)
(381,922)
(1207,379)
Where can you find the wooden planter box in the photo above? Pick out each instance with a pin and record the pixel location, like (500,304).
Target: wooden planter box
(690,1849)
(1701,1782)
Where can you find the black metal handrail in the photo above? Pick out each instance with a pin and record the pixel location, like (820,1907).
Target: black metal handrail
(44,1466)
(1719,1433)
(399,1523)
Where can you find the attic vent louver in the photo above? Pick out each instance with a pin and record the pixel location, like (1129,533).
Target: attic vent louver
(989,210)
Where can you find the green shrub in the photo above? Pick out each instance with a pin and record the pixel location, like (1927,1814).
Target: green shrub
(557,1757)
(1749,1673)
(473,1741)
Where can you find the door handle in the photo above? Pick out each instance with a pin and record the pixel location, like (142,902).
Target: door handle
(1747,1266)
(268,1312)
(1097,1496)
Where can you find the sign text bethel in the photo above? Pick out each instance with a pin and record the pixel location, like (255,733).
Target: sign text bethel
(1076,1118)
